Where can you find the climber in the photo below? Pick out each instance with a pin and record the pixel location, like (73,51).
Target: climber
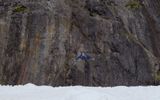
(83,56)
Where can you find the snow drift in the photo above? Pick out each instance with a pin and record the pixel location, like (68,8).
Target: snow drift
(33,92)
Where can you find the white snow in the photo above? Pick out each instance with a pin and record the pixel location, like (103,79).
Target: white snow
(33,92)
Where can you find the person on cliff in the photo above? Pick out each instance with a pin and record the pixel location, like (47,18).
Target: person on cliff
(83,56)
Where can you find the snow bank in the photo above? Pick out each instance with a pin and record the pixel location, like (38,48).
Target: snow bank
(33,92)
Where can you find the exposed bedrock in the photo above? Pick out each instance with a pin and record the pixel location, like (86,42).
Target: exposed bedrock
(80,42)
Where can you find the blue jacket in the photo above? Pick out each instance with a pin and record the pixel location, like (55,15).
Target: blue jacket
(83,56)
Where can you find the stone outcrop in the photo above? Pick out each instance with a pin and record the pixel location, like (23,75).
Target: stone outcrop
(80,42)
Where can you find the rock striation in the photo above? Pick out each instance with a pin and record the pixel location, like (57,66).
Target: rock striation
(80,42)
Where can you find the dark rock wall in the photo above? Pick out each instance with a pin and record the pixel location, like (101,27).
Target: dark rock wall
(41,41)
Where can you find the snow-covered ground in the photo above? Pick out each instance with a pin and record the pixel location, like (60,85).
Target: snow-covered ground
(32,92)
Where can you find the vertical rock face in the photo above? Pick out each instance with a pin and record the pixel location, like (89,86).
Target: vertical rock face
(80,42)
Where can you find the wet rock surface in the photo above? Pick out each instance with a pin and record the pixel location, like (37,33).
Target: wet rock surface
(40,41)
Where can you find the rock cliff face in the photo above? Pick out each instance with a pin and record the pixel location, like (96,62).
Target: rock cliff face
(80,42)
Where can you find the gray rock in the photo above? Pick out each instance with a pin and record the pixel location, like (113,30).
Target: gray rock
(40,40)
